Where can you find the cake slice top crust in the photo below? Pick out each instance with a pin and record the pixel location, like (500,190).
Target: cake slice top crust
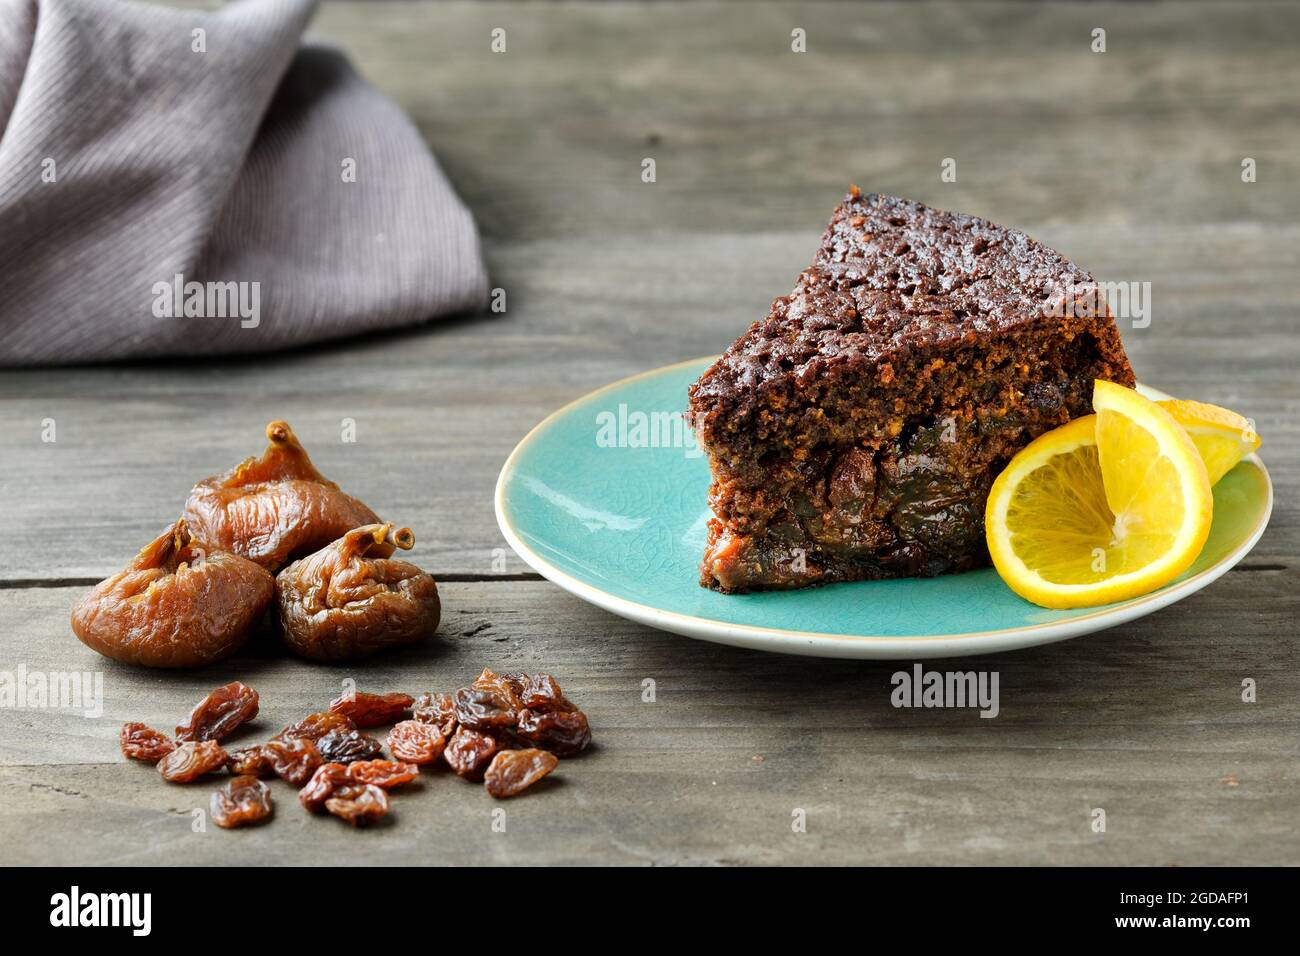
(891,277)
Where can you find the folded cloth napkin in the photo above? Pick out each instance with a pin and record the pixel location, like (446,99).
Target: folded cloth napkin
(188,183)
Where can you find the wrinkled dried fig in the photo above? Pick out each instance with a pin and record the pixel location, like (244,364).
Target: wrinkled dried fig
(177,604)
(274,508)
(349,599)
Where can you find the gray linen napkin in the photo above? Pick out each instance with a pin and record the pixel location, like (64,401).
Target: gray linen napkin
(177,183)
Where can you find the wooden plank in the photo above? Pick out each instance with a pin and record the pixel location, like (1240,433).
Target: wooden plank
(547,138)
(1144,721)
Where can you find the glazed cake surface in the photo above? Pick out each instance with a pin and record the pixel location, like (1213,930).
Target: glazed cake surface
(854,432)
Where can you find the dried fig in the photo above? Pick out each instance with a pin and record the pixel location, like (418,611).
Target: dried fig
(274,508)
(349,599)
(179,603)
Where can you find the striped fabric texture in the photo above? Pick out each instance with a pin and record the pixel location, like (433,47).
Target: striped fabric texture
(191,183)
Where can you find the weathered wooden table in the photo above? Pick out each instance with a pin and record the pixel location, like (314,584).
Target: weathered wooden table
(1129,161)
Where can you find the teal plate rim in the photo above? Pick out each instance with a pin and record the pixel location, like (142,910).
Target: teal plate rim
(846,645)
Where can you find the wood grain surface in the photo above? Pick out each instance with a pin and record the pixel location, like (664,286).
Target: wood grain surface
(1127,161)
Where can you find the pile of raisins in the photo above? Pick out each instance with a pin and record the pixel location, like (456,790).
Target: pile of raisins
(507,730)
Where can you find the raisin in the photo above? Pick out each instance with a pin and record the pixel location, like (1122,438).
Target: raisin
(513,771)
(514,682)
(250,760)
(358,803)
(372,710)
(140,742)
(191,760)
(486,708)
(416,742)
(542,692)
(274,508)
(511,685)
(438,710)
(347,746)
(243,800)
(220,714)
(315,726)
(469,752)
(385,774)
(327,778)
(350,600)
(564,732)
(293,760)
(178,603)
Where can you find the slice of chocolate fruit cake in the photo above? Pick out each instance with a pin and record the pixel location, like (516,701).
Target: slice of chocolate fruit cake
(854,433)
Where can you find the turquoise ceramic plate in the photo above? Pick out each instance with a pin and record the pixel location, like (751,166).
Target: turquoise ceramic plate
(607,499)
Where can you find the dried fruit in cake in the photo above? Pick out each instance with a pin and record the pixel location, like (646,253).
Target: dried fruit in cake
(220,714)
(372,710)
(274,508)
(179,603)
(514,771)
(191,760)
(242,801)
(854,433)
(350,600)
(140,742)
